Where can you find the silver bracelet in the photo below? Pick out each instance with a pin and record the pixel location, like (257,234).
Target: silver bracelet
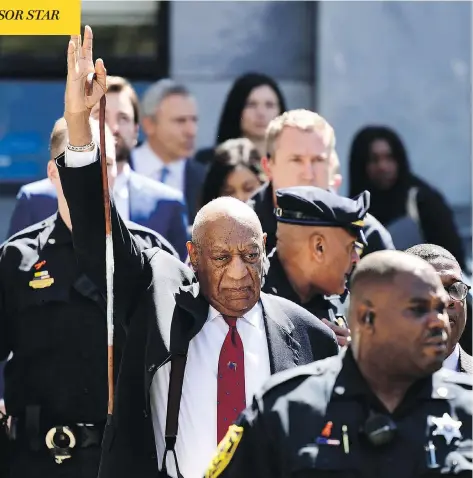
(82,149)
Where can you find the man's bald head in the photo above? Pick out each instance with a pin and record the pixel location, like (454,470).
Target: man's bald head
(227,252)
(224,209)
(397,314)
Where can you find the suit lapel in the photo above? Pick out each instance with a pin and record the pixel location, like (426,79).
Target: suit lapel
(133,197)
(189,187)
(465,362)
(171,333)
(283,349)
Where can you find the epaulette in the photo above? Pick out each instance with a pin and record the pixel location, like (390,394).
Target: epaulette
(149,254)
(299,374)
(28,231)
(462,379)
(134,227)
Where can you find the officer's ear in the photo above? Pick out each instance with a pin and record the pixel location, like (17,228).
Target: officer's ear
(266,166)
(366,316)
(318,246)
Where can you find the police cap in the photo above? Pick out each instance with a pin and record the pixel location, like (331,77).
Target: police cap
(311,206)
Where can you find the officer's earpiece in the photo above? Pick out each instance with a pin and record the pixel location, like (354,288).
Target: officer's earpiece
(369,317)
(379,429)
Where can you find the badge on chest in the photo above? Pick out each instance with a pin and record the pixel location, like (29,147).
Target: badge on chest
(41,278)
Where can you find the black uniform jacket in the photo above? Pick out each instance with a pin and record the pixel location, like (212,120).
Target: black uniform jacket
(376,234)
(283,434)
(53,319)
(164,310)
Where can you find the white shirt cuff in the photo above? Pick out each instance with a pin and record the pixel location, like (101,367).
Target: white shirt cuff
(75,159)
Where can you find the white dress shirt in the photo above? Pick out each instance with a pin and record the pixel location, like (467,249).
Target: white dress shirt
(452,362)
(197,437)
(147,163)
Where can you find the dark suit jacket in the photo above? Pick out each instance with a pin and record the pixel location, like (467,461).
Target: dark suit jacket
(262,202)
(194,177)
(194,180)
(205,156)
(465,362)
(152,204)
(162,310)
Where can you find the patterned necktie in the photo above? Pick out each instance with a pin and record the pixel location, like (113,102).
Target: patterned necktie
(164,174)
(231,398)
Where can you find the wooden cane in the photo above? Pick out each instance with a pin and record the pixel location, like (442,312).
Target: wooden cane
(109,261)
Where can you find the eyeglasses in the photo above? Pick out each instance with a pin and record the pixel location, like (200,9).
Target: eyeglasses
(458,290)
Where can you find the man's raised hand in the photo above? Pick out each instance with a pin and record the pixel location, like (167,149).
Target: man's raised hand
(78,104)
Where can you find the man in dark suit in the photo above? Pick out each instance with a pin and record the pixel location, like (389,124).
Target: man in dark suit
(301,152)
(169,121)
(138,198)
(233,335)
(450,273)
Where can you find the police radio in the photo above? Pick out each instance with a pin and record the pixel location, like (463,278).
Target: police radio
(379,429)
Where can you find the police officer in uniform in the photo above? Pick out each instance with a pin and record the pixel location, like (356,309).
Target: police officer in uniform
(381,408)
(319,237)
(53,321)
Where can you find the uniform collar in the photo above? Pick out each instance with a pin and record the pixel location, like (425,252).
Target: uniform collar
(279,284)
(55,232)
(354,384)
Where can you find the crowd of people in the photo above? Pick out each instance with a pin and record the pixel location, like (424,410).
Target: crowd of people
(264,325)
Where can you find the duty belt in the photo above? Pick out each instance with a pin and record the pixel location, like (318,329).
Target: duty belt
(60,439)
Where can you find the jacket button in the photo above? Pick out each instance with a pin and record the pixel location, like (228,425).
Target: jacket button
(152,367)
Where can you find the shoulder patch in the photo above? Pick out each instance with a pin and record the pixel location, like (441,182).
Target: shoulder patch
(31,231)
(226,450)
(300,373)
(459,378)
(150,253)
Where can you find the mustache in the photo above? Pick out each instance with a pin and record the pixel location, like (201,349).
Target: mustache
(437,332)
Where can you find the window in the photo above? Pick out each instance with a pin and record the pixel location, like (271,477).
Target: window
(131,37)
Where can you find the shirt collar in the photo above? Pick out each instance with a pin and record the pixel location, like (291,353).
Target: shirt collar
(453,360)
(122,179)
(352,382)
(253,317)
(153,163)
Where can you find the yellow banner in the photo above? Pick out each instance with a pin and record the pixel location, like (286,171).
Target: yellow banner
(40,17)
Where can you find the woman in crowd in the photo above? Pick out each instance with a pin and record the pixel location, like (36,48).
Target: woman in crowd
(413,211)
(253,101)
(234,172)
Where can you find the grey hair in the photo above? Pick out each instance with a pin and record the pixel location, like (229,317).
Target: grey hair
(432,253)
(157,92)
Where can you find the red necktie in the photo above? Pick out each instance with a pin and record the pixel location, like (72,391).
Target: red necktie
(231,398)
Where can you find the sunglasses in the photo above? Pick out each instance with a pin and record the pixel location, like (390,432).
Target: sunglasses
(458,290)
